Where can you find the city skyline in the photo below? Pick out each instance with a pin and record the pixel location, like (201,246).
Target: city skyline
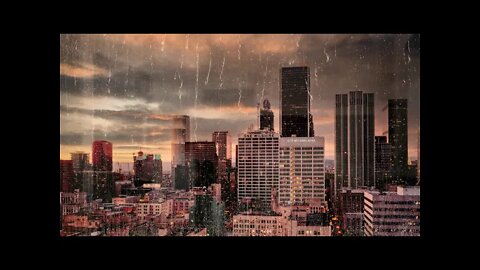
(120,88)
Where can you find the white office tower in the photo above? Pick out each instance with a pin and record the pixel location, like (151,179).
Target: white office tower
(302,170)
(257,165)
(392,213)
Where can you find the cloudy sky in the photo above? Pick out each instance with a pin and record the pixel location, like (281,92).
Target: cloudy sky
(122,88)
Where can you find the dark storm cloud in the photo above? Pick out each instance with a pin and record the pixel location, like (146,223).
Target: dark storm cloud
(227,97)
(179,74)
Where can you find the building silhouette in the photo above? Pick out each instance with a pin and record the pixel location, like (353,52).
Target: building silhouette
(354,140)
(266,116)
(102,156)
(201,161)
(383,164)
(398,138)
(295,117)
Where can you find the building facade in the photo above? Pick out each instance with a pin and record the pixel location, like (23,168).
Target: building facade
(201,161)
(383,164)
(148,168)
(302,170)
(102,156)
(223,144)
(257,165)
(354,140)
(398,138)
(392,213)
(180,133)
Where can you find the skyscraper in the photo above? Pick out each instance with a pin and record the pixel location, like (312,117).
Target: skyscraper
(382,161)
(295,117)
(266,116)
(201,161)
(341,143)
(302,170)
(398,138)
(180,125)
(81,161)
(147,168)
(354,137)
(102,156)
(66,175)
(223,144)
(257,165)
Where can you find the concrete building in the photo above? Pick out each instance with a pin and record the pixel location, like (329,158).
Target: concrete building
(66,176)
(302,170)
(392,213)
(257,165)
(71,202)
(125,200)
(350,211)
(257,225)
(223,144)
(155,208)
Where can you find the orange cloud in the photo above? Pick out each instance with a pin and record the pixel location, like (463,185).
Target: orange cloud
(83,71)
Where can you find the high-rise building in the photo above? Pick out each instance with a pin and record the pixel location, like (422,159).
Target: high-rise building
(81,161)
(181,177)
(236,155)
(354,137)
(201,161)
(208,213)
(392,213)
(102,156)
(66,175)
(295,117)
(302,170)
(350,211)
(147,168)
(257,165)
(398,138)
(222,168)
(229,192)
(223,144)
(382,161)
(180,126)
(266,116)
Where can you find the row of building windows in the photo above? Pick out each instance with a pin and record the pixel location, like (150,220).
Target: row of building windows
(396,216)
(380,223)
(403,203)
(396,209)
